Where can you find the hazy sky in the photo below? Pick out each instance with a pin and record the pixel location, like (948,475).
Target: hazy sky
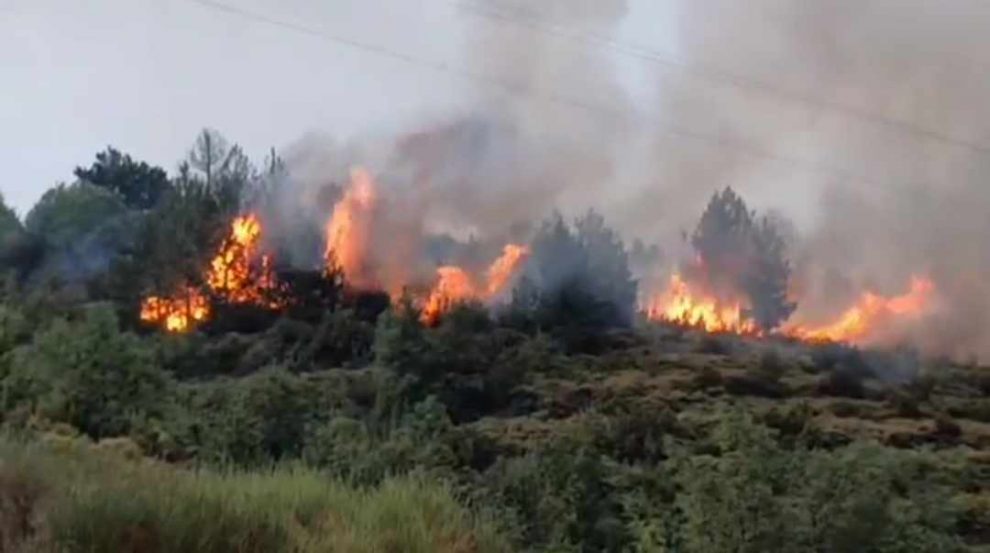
(146,75)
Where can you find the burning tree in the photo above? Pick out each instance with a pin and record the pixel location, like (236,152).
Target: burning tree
(739,253)
(237,274)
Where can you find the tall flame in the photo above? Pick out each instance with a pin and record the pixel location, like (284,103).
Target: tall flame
(505,267)
(681,305)
(870,313)
(455,285)
(348,233)
(231,276)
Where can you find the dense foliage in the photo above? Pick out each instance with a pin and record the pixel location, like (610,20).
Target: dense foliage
(556,423)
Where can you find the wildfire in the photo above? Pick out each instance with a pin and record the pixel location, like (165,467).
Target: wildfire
(455,285)
(232,275)
(870,313)
(681,305)
(348,233)
(503,269)
(178,313)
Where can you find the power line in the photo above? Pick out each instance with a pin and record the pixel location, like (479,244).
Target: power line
(715,75)
(522,91)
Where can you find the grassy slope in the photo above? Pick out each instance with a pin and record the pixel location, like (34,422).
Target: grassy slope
(69,496)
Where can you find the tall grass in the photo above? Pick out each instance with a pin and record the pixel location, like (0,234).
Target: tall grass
(74,497)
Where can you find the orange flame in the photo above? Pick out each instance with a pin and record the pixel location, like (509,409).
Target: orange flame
(870,313)
(231,276)
(455,285)
(348,233)
(178,313)
(680,305)
(505,267)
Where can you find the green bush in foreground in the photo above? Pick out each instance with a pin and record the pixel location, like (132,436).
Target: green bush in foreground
(69,496)
(752,495)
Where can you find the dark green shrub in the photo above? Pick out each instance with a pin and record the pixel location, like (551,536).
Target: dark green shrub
(753,495)
(256,419)
(714,344)
(400,341)
(341,339)
(791,421)
(904,403)
(771,366)
(349,448)
(561,500)
(946,428)
(842,381)
(706,378)
(89,374)
(635,434)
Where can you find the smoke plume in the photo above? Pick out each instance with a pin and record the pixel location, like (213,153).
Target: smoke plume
(880,103)
(860,126)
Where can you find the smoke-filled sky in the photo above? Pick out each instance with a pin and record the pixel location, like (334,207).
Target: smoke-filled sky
(146,75)
(863,121)
(880,89)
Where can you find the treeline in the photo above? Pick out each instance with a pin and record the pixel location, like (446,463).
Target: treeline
(125,230)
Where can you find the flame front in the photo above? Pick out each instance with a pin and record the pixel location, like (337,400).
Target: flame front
(455,285)
(871,313)
(230,276)
(348,233)
(681,305)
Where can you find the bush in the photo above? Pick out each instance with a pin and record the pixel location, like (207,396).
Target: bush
(560,500)
(634,435)
(904,403)
(89,374)
(706,378)
(400,339)
(351,449)
(753,495)
(947,428)
(253,420)
(827,357)
(771,367)
(342,338)
(792,421)
(714,344)
(471,365)
(842,382)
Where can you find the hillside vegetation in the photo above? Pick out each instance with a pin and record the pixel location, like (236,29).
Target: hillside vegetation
(557,420)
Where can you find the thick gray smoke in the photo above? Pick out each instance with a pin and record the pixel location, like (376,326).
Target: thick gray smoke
(863,123)
(893,151)
(490,173)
